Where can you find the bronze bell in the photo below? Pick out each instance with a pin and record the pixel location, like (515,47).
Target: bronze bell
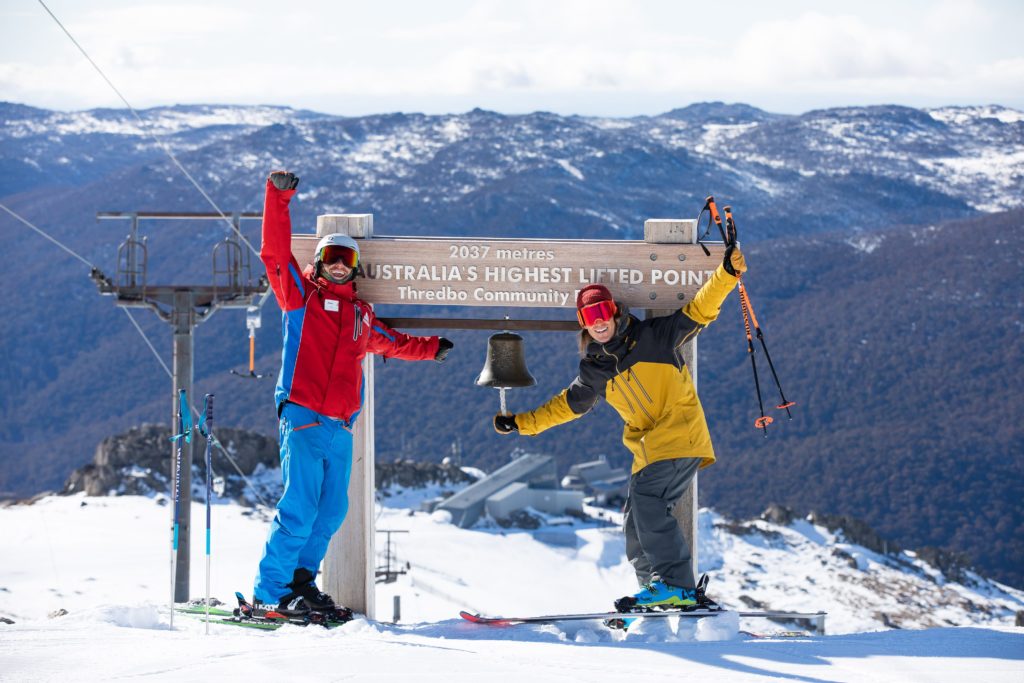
(505,367)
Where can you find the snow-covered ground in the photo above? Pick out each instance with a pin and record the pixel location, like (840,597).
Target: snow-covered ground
(106,562)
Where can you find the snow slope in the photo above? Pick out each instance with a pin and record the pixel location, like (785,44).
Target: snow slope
(106,562)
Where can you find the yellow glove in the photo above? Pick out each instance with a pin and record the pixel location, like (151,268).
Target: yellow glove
(734,263)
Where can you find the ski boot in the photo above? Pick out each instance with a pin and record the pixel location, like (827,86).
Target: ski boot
(308,601)
(304,589)
(663,596)
(630,603)
(658,595)
(291,610)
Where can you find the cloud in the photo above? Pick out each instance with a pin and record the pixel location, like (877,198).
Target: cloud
(822,48)
(529,52)
(955,18)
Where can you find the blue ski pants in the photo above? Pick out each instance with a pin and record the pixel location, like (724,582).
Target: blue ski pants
(316,463)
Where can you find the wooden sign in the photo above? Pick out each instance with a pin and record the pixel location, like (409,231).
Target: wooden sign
(524,273)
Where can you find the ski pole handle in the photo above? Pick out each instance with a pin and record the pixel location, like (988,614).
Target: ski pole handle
(730,226)
(715,216)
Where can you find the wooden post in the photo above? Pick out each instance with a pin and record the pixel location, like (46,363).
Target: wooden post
(349,564)
(679,232)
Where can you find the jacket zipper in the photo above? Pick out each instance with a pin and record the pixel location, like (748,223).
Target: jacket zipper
(637,380)
(334,355)
(628,402)
(619,372)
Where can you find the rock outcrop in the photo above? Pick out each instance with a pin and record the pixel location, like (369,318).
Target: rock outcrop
(139,462)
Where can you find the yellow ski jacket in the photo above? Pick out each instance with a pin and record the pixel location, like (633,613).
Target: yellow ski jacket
(640,372)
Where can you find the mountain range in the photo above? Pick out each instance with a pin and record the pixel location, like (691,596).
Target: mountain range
(884,244)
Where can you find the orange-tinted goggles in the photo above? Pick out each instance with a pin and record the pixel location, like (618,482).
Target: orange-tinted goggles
(590,314)
(334,253)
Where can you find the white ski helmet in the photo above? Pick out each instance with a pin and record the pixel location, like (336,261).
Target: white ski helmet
(334,239)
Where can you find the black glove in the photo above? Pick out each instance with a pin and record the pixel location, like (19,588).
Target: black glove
(505,424)
(284,180)
(733,262)
(443,347)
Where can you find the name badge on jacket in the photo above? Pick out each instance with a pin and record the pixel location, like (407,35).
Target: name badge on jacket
(331,305)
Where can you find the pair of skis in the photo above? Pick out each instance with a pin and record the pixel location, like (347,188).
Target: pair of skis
(245,615)
(248,616)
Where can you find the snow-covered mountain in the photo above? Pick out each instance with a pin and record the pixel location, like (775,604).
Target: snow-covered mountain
(99,568)
(43,148)
(859,167)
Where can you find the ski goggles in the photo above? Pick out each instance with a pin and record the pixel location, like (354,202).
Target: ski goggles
(591,313)
(334,253)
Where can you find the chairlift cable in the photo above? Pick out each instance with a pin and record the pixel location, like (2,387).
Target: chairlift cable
(152,348)
(47,236)
(148,343)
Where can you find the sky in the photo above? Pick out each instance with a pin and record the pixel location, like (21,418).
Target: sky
(588,57)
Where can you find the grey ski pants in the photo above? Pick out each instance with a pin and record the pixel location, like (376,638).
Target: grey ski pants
(655,545)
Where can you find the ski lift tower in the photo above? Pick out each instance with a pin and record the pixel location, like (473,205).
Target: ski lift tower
(183,307)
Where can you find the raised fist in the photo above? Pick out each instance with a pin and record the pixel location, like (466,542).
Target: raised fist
(284,180)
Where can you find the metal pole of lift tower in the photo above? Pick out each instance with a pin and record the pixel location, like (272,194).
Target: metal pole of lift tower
(184,307)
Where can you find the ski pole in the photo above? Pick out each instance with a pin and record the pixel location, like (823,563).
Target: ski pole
(729,239)
(206,429)
(763,421)
(184,418)
(785,405)
(728,233)
(748,309)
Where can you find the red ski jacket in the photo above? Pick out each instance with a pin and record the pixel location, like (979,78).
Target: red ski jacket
(327,328)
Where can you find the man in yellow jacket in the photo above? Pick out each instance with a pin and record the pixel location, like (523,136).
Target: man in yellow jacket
(637,366)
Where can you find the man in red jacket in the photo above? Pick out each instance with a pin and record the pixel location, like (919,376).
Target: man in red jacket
(328,331)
